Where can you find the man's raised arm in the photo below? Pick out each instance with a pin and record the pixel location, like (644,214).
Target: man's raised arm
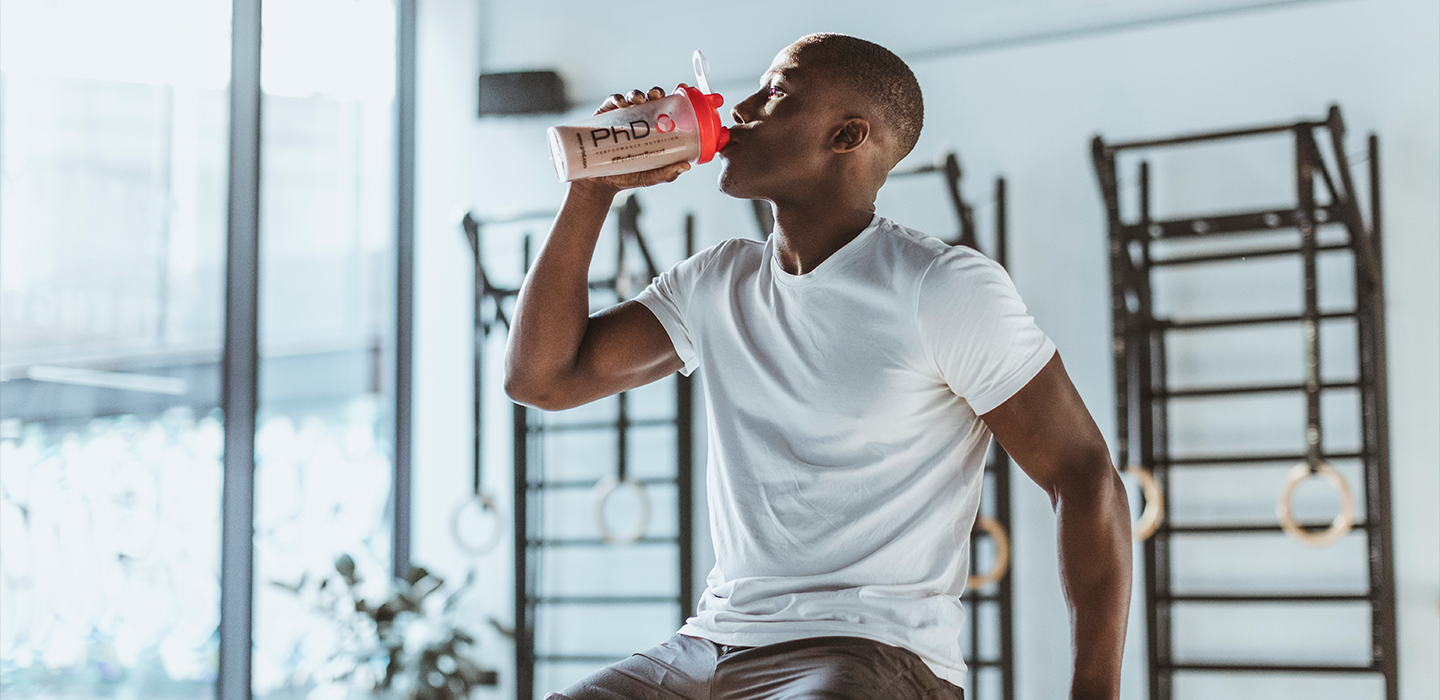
(558,355)
(1049,433)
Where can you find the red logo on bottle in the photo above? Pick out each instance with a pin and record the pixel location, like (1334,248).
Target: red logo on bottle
(664,124)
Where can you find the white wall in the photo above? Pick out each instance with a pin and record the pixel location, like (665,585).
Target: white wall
(1023,110)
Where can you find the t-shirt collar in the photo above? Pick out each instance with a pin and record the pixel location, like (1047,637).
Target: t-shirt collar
(836,259)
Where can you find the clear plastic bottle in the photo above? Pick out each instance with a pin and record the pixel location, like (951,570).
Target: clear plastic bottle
(684,126)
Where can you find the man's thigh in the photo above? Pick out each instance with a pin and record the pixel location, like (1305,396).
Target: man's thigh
(828,668)
(679,668)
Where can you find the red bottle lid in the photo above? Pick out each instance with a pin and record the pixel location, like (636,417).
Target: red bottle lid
(713,136)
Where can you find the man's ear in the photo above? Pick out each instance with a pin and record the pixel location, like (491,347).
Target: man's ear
(851,135)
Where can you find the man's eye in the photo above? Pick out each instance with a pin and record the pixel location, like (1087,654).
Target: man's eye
(776,92)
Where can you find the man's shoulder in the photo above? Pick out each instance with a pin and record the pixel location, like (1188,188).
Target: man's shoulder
(897,234)
(925,251)
(729,254)
(738,247)
(939,272)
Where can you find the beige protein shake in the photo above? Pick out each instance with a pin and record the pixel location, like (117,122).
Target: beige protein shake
(685,126)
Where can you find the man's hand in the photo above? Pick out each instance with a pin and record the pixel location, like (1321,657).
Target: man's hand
(610,185)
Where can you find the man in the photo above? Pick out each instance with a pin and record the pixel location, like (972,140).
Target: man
(855,373)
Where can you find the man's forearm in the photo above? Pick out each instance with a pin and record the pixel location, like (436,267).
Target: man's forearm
(553,308)
(1095,553)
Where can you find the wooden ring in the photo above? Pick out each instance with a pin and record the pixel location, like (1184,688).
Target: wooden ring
(1338,527)
(601,493)
(1002,554)
(486,505)
(1149,520)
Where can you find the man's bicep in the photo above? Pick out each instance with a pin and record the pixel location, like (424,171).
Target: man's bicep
(1047,430)
(625,346)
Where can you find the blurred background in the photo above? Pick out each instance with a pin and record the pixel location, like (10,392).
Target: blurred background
(387,182)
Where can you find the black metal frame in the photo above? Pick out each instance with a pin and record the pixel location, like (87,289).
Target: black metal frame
(997,465)
(529,480)
(484,322)
(1143,394)
(948,166)
(523,632)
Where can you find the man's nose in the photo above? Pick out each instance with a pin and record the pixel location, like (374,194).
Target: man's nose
(742,111)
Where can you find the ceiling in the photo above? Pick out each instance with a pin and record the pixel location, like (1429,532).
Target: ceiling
(604,48)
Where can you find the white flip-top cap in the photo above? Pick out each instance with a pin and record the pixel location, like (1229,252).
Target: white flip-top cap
(713,136)
(702,71)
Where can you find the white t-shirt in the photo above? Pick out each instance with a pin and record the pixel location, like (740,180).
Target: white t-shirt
(845,452)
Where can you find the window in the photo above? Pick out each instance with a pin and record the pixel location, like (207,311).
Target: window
(114,141)
(327,221)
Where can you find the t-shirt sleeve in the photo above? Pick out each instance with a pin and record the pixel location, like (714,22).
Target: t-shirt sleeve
(669,297)
(975,327)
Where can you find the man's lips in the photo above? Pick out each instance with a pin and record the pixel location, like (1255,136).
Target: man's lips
(735,138)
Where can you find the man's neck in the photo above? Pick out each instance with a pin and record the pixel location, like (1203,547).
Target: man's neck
(807,236)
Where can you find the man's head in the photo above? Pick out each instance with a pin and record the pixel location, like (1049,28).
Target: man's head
(833,111)
(876,76)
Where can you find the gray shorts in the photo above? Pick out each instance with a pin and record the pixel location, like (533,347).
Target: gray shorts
(823,668)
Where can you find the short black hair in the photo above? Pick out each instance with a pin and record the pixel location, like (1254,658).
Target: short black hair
(880,77)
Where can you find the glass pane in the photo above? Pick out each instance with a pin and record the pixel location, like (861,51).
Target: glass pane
(327,286)
(112,228)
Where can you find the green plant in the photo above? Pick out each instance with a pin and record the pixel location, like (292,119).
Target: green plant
(403,646)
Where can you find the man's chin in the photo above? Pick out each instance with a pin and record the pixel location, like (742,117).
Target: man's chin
(731,184)
(725,183)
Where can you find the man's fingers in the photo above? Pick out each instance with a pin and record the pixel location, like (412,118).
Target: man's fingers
(615,101)
(634,97)
(673,171)
(647,178)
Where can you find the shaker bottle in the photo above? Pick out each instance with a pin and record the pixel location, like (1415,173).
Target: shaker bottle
(684,126)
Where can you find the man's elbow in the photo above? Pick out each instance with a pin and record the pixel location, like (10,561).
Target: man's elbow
(1089,477)
(1092,499)
(529,390)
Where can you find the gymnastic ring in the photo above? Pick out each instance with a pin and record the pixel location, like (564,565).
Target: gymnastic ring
(1338,527)
(486,505)
(1002,555)
(601,493)
(1149,520)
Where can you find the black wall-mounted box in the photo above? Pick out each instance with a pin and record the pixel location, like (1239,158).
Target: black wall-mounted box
(522,92)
